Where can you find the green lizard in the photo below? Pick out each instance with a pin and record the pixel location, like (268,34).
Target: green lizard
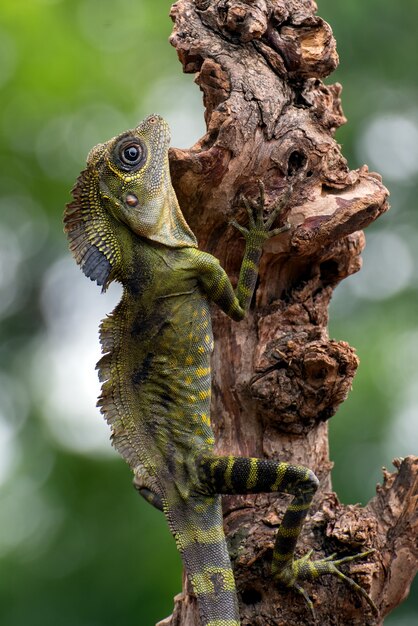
(125,224)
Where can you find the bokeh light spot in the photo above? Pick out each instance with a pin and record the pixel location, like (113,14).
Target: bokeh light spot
(27,520)
(403,429)
(183,110)
(64,141)
(10,260)
(387,267)
(23,217)
(64,363)
(390,145)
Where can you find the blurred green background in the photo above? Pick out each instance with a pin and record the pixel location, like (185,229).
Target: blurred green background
(77,545)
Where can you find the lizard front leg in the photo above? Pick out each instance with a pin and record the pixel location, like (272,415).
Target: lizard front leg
(240,475)
(215,281)
(256,234)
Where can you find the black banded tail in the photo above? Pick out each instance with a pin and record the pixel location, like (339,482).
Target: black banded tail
(198,529)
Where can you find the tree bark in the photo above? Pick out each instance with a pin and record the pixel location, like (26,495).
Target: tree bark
(278,377)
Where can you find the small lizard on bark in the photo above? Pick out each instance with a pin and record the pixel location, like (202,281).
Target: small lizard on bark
(125,224)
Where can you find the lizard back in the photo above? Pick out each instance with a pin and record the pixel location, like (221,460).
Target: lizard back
(156,365)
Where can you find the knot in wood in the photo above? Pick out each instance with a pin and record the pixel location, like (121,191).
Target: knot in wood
(354,527)
(202,5)
(248,20)
(244,20)
(306,385)
(319,368)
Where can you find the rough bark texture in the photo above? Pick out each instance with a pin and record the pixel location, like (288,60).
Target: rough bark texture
(278,377)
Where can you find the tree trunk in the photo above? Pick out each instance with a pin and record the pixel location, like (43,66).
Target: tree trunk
(278,377)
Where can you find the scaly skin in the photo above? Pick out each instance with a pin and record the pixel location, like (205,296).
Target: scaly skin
(125,224)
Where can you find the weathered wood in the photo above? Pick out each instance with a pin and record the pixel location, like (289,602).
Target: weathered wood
(278,377)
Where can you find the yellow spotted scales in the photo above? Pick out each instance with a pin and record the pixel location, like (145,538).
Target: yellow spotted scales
(125,224)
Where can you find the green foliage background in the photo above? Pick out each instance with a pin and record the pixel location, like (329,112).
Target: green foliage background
(77,546)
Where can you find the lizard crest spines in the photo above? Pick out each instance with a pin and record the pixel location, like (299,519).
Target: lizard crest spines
(92,240)
(111,401)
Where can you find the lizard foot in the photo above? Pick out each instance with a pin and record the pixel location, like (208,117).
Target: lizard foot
(306,569)
(258,226)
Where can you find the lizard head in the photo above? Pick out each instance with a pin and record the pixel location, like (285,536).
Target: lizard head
(135,181)
(126,181)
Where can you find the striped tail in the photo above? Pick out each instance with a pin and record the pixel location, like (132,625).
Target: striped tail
(198,529)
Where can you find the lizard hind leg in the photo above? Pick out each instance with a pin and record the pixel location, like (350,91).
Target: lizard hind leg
(150,496)
(240,475)
(144,487)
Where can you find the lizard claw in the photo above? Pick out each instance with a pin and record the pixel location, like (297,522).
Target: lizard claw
(306,597)
(278,206)
(306,569)
(262,199)
(249,206)
(282,229)
(257,225)
(244,231)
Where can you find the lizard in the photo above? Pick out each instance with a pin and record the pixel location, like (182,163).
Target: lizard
(125,224)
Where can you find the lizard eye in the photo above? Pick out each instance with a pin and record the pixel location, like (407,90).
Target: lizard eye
(130,154)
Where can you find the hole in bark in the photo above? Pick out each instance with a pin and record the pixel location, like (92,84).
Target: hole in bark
(192,63)
(202,4)
(303,274)
(296,162)
(309,174)
(324,415)
(329,271)
(251,596)
(300,101)
(342,369)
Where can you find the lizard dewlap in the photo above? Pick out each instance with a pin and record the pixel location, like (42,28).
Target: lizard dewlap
(125,224)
